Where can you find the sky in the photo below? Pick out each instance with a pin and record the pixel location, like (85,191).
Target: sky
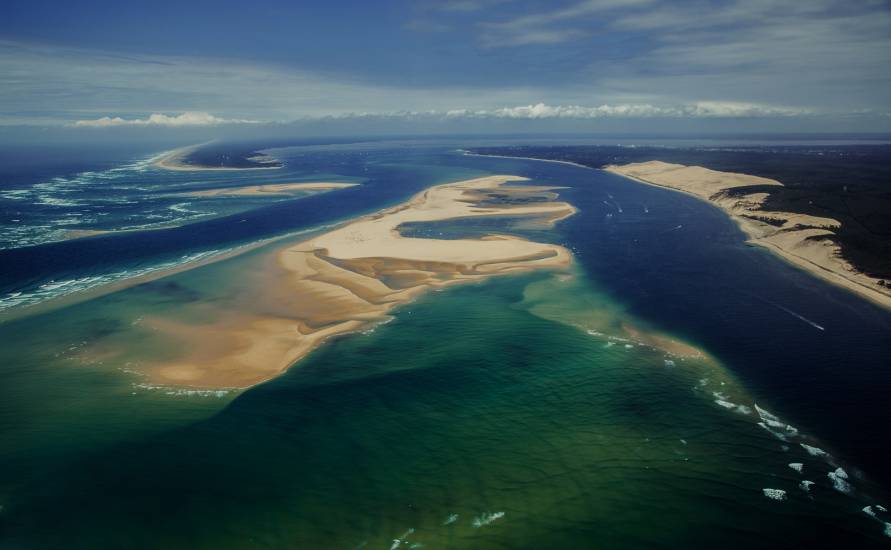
(571,65)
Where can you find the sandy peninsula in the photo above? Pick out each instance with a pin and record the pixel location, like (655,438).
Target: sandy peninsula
(798,238)
(175,160)
(351,277)
(272,189)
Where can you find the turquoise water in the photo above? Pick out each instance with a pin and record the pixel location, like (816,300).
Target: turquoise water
(514,413)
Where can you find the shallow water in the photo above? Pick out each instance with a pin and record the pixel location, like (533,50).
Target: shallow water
(516,413)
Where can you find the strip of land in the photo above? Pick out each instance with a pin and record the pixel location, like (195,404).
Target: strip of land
(351,278)
(803,240)
(176,160)
(272,189)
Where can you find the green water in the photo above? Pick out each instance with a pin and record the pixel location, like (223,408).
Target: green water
(484,416)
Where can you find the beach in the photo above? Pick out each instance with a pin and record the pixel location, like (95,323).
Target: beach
(349,278)
(802,240)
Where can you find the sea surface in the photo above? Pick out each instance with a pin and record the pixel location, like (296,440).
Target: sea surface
(512,413)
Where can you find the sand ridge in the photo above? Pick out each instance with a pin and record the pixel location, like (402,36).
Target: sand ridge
(271,189)
(801,239)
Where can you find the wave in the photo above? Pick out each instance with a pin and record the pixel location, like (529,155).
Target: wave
(774,494)
(57,288)
(23,297)
(183,392)
(486,518)
(839,479)
(814,451)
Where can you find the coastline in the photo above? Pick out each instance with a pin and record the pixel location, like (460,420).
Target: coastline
(566,162)
(173,160)
(790,236)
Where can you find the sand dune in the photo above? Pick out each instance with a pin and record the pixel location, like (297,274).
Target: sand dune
(798,238)
(352,277)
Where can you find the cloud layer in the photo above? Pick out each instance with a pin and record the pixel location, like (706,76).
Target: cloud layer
(710,109)
(190,118)
(468,59)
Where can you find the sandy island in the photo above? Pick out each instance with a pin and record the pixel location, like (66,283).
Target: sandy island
(350,278)
(272,189)
(797,238)
(175,160)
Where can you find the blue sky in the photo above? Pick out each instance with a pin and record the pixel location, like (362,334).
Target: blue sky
(117,63)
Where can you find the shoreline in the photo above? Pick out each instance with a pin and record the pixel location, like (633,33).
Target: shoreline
(795,233)
(173,160)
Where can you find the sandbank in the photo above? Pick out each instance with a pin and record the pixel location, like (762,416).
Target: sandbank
(175,160)
(351,277)
(800,239)
(272,189)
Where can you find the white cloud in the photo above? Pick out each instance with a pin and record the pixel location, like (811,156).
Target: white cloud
(190,118)
(702,109)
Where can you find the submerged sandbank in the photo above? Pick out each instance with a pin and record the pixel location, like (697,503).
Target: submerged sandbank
(272,189)
(803,240)
(351,278)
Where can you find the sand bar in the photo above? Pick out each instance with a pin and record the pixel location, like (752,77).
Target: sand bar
(351,278)
(175,160)
(798,238)
(272,189)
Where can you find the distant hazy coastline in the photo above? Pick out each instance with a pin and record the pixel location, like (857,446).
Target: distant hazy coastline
(176,160)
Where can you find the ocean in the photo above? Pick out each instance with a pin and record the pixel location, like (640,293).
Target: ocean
(512,413)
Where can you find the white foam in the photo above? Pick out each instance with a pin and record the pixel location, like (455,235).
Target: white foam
(181,392)
(451,519)
(486,518)
(840,480)
(776,434)
(775,494)
(398,542)
(669,363)
(814,451)
(54,289)
(797,466)
(869,511)
(887,529)
(721,400)
(806,485)
(881,508)
(774,421)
